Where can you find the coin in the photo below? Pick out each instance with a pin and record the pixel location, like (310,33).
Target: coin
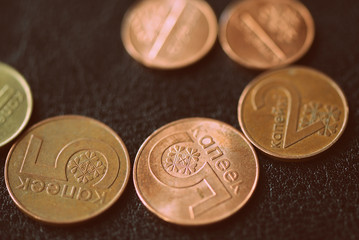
(15,103)
(195,171)
(67,169)
(265,34)
(293,113)
(169,34)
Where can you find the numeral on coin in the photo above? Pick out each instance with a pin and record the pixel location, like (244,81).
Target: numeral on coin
(56,170)
(205,177)
(219,192)
(291,135)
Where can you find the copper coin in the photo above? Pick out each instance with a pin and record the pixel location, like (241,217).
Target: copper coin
(15,103)
(67,169)
(265,34)
(293,113)
(195,171)
(169,34)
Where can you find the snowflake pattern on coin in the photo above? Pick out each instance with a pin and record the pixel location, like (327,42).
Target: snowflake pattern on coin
(182,160)
(330,118)
(314,112)
(280,20)
(86,167)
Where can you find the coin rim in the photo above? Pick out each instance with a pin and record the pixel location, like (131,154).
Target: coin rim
(231,8)
(25,86)
(204,222)
(202,6)
(301,157)
(82,219)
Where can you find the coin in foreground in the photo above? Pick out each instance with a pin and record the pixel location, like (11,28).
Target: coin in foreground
(67,169)
(169,34)
(195,171)
(265,34)
(293,113)
(15,103)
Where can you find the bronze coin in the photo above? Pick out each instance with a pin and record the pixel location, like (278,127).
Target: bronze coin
(169,34)
(67,169)
(265,34)
(195,171)
(293,113)
(15,103)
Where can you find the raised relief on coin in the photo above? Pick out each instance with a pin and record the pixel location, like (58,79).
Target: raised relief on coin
(15,103)
(67,169)
(266,34)
(195,171)
(169,33)
(87,165)
(181,161)
(293,113)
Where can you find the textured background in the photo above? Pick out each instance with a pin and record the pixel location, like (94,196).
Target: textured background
(72,56)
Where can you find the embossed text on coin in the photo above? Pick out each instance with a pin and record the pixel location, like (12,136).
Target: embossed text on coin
(293,113)
(15,103)
(67,169)
(195,171)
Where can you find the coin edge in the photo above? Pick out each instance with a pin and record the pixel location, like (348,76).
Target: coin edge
(26,87)
(151,209)
(208,45)
(223,23)
(305,157)
(80,220)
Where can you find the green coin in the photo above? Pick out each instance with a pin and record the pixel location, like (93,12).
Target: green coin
(15,103)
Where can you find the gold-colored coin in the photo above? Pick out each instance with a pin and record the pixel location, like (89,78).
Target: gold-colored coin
(195,171)
(169,34)
(293,113)
(15,103)
(266,34)
(67,169)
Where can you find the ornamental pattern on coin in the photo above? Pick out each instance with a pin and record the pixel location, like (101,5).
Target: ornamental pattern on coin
(293,113)
(15,103)
(67,169)
(195,171)
(266,34)
(169,34)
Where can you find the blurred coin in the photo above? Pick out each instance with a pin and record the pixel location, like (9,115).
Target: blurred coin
(266,34)
(169,34)
(195,171)
(67,169)
(293,113)
(15,103)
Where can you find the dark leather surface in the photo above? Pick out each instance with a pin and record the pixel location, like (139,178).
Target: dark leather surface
(73,58)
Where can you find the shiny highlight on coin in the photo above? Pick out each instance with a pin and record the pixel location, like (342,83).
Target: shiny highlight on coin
(169,34)
(293,113)
(195,171)
(15,103)
(265,34)
(67,169)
